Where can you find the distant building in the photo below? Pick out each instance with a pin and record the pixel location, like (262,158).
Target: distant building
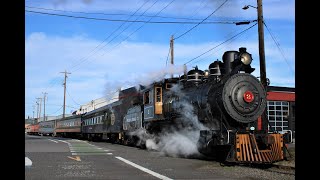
(97,103)
(47,118)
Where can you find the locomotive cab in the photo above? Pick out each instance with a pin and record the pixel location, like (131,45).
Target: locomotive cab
(156,104)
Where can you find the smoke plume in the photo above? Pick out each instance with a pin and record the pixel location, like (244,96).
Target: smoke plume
(178,141)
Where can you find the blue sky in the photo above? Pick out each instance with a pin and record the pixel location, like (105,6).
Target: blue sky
(137,52)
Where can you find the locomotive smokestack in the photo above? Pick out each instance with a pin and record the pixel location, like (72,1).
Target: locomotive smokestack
(242,49)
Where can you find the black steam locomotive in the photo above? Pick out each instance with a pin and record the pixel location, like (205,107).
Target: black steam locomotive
(221,104)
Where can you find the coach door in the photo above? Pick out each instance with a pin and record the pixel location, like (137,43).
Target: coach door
(158,100)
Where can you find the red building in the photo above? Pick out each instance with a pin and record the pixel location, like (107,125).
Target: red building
(280,109)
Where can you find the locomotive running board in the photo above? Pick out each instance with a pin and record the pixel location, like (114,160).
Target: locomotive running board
(247,150)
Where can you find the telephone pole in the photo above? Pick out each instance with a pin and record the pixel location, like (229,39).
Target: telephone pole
(39,109)
(171,48)
(263,74)
(44,106)
(33,111)
(64,96)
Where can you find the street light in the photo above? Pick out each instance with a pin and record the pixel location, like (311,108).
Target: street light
(247,7)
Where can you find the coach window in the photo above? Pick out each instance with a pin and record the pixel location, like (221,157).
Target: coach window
(168,85)
(146,98)
(158,94)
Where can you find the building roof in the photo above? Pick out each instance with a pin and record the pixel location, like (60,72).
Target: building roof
(281,89)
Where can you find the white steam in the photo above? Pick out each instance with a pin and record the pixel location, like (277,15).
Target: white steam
(154,76)
(181,142)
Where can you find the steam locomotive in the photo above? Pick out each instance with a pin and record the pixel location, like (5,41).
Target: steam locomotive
(222,104)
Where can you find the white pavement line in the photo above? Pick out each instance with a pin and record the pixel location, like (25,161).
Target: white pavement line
(109,153)
(106,150)
(64,141)
(144,169)
(53,140)
(28,162)
(74,153)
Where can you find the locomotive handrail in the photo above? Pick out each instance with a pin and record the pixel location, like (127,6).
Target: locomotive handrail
(228,131)
(282,132)
(291,137)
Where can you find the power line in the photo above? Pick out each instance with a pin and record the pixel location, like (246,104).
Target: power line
(55,105)
(217,50)
(201,21)
(278,45)
(84,59)
(220,44)
(135,21)
(57,110)
(116,14)
(143,24)
(121,31)
(138,28)
(112,14)
(195,12)
(72,98)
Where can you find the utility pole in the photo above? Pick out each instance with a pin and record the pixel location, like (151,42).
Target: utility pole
(44,106)
(33,111)
(171,48)
(64,96)
(263,74)
(39,109)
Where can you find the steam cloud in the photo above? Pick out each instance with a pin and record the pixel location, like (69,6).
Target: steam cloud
(180,142)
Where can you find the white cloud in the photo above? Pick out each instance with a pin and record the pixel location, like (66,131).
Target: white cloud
(47,56)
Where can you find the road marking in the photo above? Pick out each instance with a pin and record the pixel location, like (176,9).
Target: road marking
(63,141)
(144,169)
(77,158)
(53,140)
(28,162)
(109,153)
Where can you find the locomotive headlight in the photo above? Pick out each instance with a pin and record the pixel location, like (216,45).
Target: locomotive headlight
(246,58)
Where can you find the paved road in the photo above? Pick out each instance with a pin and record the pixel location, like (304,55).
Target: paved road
(61,158)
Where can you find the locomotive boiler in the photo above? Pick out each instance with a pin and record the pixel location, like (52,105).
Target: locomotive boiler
(226,101)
